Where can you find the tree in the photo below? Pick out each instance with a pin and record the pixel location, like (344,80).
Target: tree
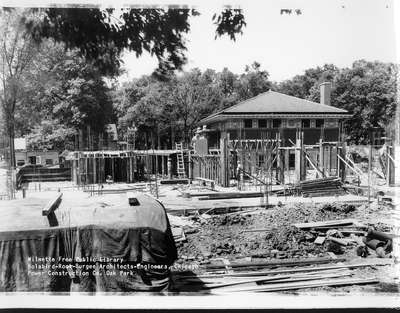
(301,85)
(195,96)
(171,109)
(102,35)
(51,135)
(368,91)
(63,88)
(142,103)
(253,82)
(227,84)
(17,51)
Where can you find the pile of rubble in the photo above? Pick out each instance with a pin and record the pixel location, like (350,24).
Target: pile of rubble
(275,233)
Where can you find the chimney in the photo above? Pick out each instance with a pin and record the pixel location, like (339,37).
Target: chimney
(325,93)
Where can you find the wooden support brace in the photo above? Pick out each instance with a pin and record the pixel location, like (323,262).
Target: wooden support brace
(49,209)
(52,205)
(349,166)
(313,165)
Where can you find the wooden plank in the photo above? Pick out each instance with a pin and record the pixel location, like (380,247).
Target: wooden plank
(319,240)
(343,222)
(277,278)
(312,284)
(256,230)
(174,181)
(339,241)
(289,262)
(232,196)
(52,205)
(376,262)
(122,190)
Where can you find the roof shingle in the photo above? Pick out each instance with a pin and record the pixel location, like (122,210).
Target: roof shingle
(275,102)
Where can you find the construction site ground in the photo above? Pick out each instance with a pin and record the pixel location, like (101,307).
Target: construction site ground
(250,230)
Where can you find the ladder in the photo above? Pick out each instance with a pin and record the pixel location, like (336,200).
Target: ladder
(180,168)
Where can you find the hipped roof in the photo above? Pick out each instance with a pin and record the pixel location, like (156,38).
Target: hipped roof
(272,102)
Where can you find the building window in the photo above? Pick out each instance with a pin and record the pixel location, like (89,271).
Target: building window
(49,161)
(305,123)
(32,160)
(291,123)
(319,123)
(248,123)
(276,123)
(262,123)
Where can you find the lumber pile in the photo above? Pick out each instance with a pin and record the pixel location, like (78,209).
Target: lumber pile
(289,275)
(321,187)
(232,195)
(174,181)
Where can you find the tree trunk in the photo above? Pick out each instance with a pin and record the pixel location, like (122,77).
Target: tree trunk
(158,138)
(172,137)
(185,131)
(11,133)
(152,139)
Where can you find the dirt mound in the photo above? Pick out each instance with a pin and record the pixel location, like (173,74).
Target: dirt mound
(232,235)
(338,208)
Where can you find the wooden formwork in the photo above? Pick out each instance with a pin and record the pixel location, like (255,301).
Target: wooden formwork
(92,167)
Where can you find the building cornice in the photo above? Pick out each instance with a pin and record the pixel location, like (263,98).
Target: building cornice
(222,117)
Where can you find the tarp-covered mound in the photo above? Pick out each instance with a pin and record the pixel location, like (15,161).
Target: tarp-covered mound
(106,244)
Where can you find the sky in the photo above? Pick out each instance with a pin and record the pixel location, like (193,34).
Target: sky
(327,31)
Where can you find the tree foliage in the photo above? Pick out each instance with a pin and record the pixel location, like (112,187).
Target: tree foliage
(170,110)
(366,89)
(17,50)
(300,85)
(61,87)
(102,35)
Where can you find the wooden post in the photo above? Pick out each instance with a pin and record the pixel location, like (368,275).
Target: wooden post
(75,171)
(94,171)
(303,158)
(112,169)
(329,159)
(321,156)
(280,175)
(287,168)
(127,169)
(86,170)
(102,169)
(162,165)
(169,167)
(390,168)
(190,165)
(224,160)
(241,174)
(156,157)
(131,169)
(341,165)
(299,158)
